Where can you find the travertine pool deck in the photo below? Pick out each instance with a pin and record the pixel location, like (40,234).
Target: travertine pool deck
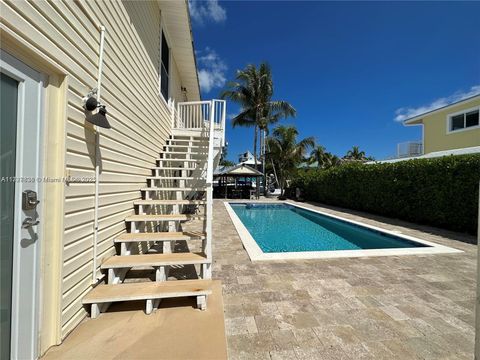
(393,307)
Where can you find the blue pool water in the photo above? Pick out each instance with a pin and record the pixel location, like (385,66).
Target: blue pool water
(287,228)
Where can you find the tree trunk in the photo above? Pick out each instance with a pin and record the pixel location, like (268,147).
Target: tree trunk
(255,146)
(264,163)
(282,184)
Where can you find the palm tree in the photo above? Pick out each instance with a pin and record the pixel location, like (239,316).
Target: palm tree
(286,152)
(253,91)
(331,160)
(318,155)
(355,154)
(324,159)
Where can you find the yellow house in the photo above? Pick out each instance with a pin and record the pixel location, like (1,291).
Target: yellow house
(452,127)
(77,182)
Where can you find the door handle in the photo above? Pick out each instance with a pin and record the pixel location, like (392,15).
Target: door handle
(29,222)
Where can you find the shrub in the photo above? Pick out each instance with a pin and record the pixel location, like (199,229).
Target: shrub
(441,192)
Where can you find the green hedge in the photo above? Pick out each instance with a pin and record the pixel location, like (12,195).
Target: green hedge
(442,192)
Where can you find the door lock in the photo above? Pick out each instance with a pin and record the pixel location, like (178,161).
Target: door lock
(29,222)
(29,200)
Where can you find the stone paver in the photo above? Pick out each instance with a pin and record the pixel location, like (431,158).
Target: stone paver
(392,307)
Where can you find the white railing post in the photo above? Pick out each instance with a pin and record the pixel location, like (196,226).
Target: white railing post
(209,184)
(224,115)
(172,110)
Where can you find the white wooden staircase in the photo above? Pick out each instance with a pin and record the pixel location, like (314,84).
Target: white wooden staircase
(178,192)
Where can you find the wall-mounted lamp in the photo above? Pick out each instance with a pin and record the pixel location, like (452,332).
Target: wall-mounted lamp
(100,118)
(183,89)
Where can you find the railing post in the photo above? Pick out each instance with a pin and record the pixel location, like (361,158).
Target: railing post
(224,115)
(172,110)
(209,183)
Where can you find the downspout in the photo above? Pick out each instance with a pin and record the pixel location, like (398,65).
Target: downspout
(97,159)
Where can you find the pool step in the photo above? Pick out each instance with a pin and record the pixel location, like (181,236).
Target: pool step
(149,291)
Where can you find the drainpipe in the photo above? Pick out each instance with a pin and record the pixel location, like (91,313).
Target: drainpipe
(97,159)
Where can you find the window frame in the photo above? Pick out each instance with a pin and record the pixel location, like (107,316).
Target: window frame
(464,112)
(164,32)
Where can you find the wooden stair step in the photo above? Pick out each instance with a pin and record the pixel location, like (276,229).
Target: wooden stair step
(188,143)
(190,137)
(169,202)
(180,152)
(185,146)
(173,189)
(178,160)
(174,168)
(154,260)
(175,178)
(159,236)
(161,217)
(101,296)
(148,290)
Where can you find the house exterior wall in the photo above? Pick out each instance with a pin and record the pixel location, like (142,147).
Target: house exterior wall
(64,36)
(437,137)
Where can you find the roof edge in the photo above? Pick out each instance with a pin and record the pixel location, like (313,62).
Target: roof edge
(421,116)
(193,47)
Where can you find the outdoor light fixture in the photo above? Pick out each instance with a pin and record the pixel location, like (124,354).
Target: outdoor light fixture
(100,118)
(183,89)
(91,103)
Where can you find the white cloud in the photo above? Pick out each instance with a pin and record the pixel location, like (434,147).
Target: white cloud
(409,112)
(212,68)
(202,11)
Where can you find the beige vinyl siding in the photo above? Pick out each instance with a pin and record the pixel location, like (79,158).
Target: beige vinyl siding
(175,78)
(67,34)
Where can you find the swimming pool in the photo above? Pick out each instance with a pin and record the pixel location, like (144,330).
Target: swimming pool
(284,230)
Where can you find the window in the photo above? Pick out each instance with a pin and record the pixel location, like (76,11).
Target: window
(464,120)
(471,119)
(164,67)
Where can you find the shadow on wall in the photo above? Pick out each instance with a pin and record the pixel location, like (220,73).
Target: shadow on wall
(142,14)
(89,132)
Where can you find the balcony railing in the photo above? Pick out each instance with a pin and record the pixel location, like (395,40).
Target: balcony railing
(198,115)
(409,149)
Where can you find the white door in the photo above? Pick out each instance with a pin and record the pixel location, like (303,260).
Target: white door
(21,111)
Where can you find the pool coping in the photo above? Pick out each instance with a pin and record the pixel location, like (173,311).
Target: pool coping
(256,254)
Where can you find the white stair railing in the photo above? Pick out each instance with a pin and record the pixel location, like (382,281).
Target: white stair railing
(192,115)
(204,118)
(209,189)
(195,115)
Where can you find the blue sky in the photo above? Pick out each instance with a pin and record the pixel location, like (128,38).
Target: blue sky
(351,70)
